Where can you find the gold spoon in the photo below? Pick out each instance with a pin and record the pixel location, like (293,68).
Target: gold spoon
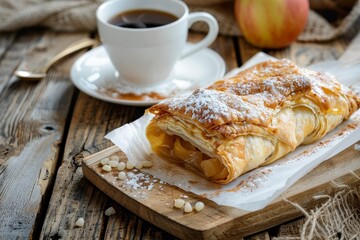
(37,75)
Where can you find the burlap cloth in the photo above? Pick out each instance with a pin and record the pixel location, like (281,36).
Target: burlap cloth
(74,15)
(339,216)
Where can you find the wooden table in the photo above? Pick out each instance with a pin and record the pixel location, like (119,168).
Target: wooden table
(48,127)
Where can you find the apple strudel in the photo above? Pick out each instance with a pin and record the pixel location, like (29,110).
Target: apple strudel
(248,120)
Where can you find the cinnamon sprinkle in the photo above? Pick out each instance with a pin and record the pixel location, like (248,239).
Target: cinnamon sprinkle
(253,181)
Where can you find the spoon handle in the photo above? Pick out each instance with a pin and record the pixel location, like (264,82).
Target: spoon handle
(74,47)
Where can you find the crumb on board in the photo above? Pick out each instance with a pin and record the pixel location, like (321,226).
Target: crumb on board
(136,181)
(110,211)
(357,147)
(121,166)
(122,175)
(106,168)
(188,208)
(129,165)
(104,161)
(80,222)
(147,164)
(179,203)
(113,163)
(199,206)
(115,158)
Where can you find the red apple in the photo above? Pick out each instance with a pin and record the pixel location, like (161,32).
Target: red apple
(271,23)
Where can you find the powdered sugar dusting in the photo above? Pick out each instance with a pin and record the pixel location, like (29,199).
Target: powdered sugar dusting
(272,85)
(251,96)
(269,82)
(207,106)
(140,184)
(203,105)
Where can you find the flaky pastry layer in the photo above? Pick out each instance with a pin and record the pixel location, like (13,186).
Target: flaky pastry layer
(249,120)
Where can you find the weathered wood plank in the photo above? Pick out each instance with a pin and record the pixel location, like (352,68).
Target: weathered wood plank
(31,130)
(224,46)
(220,222)
(91,120)
(5,41)
(11,56)
(73,196)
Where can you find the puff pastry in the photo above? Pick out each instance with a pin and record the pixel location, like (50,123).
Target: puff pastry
(249,120)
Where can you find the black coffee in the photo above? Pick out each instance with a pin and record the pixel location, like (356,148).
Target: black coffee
(142,18)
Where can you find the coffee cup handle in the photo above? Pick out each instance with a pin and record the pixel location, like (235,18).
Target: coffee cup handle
(208,39)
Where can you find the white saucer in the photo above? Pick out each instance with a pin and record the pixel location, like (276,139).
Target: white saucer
(94,74)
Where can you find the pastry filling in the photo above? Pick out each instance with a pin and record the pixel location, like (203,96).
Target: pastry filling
(249,120)
(174,148)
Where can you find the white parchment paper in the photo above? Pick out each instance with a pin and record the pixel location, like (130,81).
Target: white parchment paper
(256,189)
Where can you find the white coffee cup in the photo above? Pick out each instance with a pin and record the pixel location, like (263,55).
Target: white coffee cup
(147,56)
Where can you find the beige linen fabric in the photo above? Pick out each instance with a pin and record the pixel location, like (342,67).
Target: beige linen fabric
(76,15)
(57,15)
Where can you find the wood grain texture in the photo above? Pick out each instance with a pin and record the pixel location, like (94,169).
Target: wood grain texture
(224,46)
(31,130)
(220,222)
(91,120)
(73,196)
(5,42)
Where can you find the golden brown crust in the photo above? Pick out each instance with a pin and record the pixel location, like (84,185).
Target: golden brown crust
(253,118)
(271,82)
(254,96)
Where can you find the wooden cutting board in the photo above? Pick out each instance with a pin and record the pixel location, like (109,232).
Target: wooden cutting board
(154,200)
